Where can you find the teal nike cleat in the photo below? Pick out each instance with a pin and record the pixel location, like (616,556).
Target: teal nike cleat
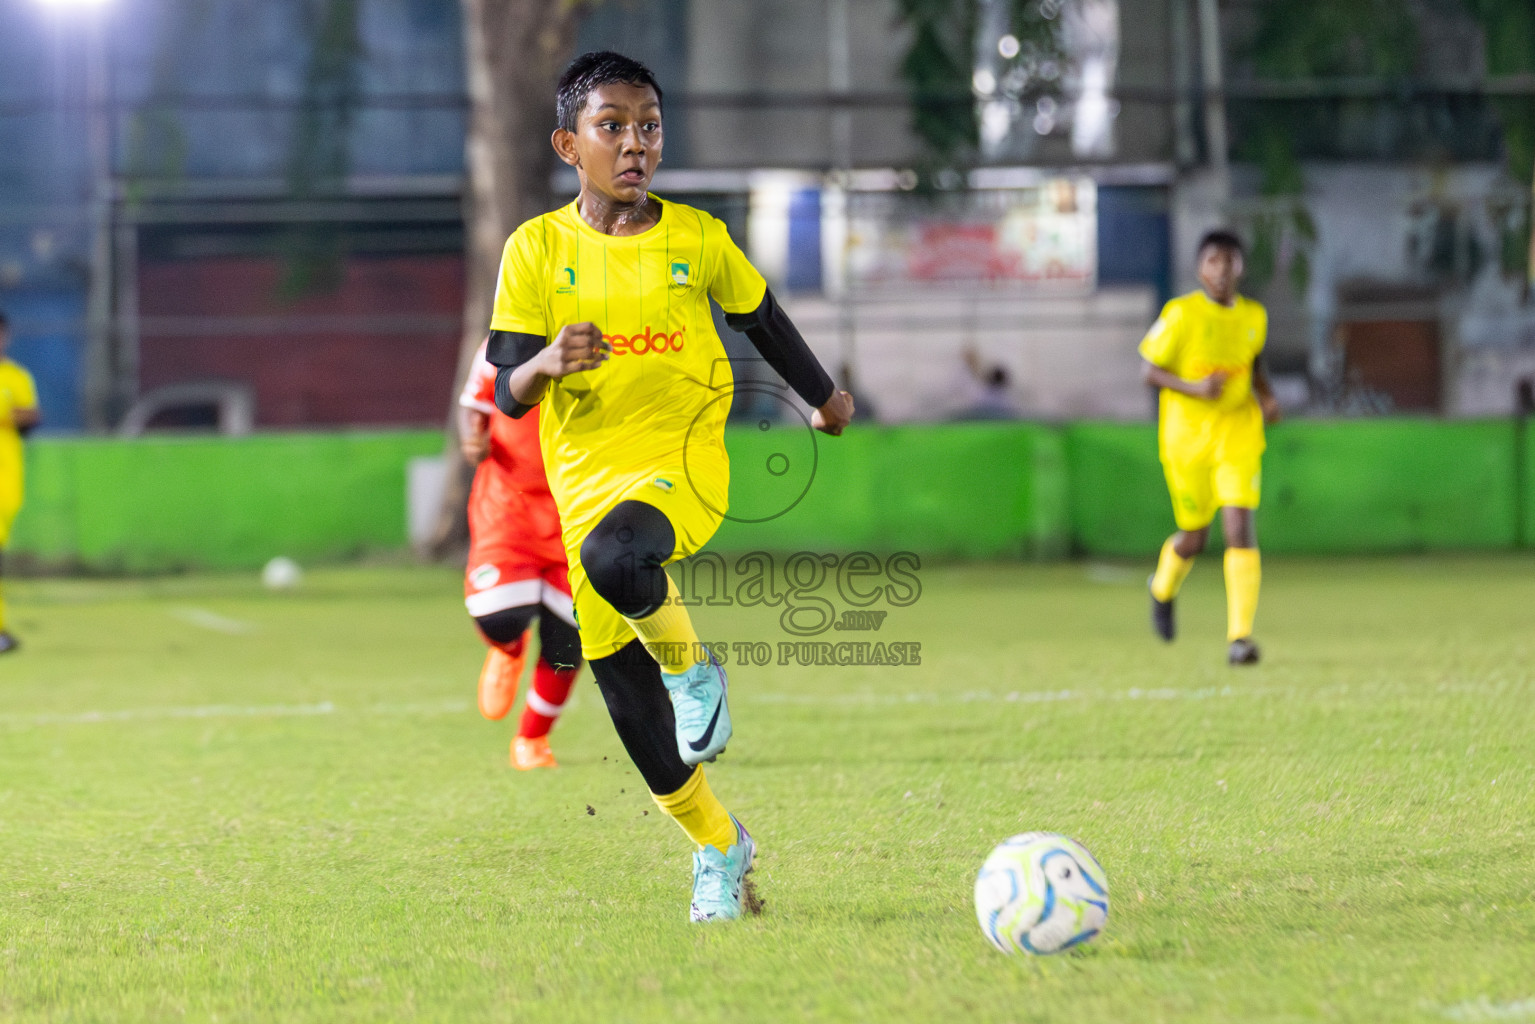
(703,716)
(720,886)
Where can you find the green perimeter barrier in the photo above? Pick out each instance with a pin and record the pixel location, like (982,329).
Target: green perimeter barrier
(154,504)
(1524,465)
(971,490)
(963,490)
(1385,485)
(1117,498)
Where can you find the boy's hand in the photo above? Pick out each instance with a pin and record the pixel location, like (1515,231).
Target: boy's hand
(1270,405)
(474,441)
(835,415)
(1211,387)
(576,348)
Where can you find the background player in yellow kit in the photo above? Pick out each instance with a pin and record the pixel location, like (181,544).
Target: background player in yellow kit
(18,415)
(602,315)
(1203,352)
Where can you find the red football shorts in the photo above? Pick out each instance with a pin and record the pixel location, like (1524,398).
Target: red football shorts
(516,557)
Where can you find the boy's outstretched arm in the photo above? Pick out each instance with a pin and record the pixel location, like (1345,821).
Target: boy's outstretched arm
(774,335)
(1265,392)
(1208,387)
(473,435)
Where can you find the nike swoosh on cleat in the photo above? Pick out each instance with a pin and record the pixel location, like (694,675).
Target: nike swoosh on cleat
(703,741)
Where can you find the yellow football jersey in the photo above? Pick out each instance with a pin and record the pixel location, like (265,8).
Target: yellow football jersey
(17,391)
(1194,337)
(667,385)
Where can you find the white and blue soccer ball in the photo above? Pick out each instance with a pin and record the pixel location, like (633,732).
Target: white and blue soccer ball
(1041,892)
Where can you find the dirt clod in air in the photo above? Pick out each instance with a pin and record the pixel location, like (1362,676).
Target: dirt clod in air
(750,901)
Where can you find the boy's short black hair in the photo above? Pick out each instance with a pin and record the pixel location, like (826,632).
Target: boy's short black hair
(1221,238)
(590,70)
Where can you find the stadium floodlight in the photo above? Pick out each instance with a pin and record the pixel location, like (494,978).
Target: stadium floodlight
(93,18)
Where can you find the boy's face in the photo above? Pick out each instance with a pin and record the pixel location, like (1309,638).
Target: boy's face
(1220,268)
(617,142)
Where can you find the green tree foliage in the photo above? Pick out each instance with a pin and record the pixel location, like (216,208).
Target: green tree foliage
(937,69)
(941,58)
(1304,42)
(1376,39)
(1341,39)
(1510,28)
(1344,38)
(156,144)
(321,154)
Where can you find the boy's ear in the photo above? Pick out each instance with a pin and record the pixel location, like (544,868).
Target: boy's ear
(564,144)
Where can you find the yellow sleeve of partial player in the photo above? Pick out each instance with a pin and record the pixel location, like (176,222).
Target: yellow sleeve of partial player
(521,304)
(735,284)
(20,389)
(1162,341)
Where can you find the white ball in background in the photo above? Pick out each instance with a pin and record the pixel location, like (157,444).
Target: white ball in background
(282,573)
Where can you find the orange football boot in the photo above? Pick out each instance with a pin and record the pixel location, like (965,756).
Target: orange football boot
(498,681)
(529,753)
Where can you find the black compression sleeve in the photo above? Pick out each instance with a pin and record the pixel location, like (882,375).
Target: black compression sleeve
(769,329)
(508,350)
(505,400)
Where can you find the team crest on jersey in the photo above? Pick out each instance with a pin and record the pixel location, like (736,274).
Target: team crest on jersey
(484,576)
(664,484)
(681,273)
(567,282)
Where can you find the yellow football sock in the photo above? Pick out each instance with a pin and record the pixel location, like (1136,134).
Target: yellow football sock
(1172,570)
(668,634)
(1243,575)
(699,812)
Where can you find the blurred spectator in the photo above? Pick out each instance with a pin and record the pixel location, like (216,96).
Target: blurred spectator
(984,389)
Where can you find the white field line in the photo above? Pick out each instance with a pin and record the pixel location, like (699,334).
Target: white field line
(1111,575)
(204,619)
(150,714)
(850,700)
(445,707)
(1009,697)
(1486,1009)
(454,707)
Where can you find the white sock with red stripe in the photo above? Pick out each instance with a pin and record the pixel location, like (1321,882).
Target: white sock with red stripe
(546,699)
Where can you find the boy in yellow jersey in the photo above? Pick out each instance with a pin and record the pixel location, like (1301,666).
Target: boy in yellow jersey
(602,315)
(1203,352)
(18,415)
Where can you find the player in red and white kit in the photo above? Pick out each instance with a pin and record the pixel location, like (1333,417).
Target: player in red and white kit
(516,569)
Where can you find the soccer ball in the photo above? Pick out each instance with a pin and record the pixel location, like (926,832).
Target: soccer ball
(1041,892)
(282,573)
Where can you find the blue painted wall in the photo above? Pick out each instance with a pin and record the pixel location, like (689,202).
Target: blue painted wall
(805,241)
(46,327)
(1134,237)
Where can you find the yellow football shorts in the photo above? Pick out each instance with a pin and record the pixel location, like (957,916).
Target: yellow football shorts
(1200,488)
(695,506)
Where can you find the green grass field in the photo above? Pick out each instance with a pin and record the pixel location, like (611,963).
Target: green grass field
(222,804)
